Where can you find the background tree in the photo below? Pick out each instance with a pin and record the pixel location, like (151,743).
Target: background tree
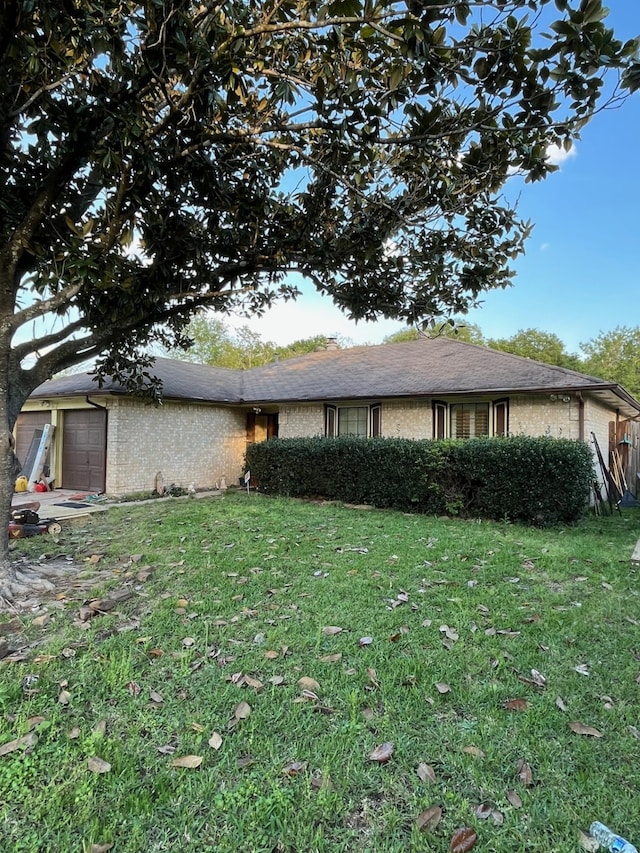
(615,356)
(456,327)
(215,343)
(539,345)
(158,158)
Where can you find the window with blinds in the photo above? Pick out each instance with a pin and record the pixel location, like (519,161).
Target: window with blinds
(469,420)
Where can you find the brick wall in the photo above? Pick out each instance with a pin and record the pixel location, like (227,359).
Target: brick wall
(187,443)
(301,421)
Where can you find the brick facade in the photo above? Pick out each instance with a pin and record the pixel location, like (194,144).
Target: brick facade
(188,443)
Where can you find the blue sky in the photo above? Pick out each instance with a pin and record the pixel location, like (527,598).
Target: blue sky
(581,272)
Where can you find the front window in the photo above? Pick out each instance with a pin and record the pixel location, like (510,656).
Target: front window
(469,420)
(360,421)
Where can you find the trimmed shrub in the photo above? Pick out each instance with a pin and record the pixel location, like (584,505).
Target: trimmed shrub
(534,480)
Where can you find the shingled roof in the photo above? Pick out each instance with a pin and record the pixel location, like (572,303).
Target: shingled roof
(426,367)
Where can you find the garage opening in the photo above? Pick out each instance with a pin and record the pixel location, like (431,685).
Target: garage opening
(84,450)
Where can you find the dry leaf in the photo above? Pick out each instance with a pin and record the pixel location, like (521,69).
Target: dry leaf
(581,729)
(473,750)
(365,641)
(331,630)
(426,772)
(188,642)
(64,697)
(98,765)
(538,678)
(443,687)
(450,633)
(331,658)
(462,840)
(156,697)
(525,774)
(588,842)
(372,675)
(514,799)
(560,703)
(483,811)
(102,848)
(242,711)
(276,680)
(74,734)
(25,742)
(271,654)
(189,762)
(215,741)
(294,767)
(429,819)
(134,688)
(582,669)
(253,682)
(515,705)
(167,749)
(244,761)
(306,683)
(382,753)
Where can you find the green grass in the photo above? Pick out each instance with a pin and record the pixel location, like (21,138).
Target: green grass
(233,579)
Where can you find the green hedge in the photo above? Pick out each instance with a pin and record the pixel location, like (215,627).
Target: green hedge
(533,480)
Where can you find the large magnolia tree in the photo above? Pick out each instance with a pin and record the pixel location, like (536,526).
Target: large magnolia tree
(158,157)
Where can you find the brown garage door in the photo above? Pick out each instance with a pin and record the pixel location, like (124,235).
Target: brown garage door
(84,450)
(26,425)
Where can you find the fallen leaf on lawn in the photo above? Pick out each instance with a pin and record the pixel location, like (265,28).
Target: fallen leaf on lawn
(538,678)
(331,658)
(634,731)
(68,652)
(514,799)
(462,840)
(28,740)
(483,811)
(443,687)
(473,750)
(156,697)
(582,669)
(560,703)
(294,767)
(189,762)
(429,819)
(167,749)
(244,761)
(382,753)
(134,688)
(196,727)
(101,848)
(306,683)
(515,705)
(253,682)
(188,642)
(365,641)
(331,630)
(33,722)
(426,772)
(155,653)
(100,728)
(74,734)
(450,633)
(94,558)
(524,772)
(98,765)
(497,818)
(41,621)
(242,711)
(271,654)
(588,842)
(581,729)
(276,680)
(182,602)
(320,782)
(215,741)
(64,697)
(372,675)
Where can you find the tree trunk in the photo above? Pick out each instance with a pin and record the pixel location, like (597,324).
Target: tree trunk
(9,469)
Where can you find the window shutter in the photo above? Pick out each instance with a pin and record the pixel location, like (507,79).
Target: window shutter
(330,421)
(439,419)
(501,417)
(376,421)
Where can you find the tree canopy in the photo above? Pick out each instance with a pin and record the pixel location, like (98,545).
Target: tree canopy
(157,158)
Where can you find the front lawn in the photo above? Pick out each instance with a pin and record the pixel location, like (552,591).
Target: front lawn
(236,699)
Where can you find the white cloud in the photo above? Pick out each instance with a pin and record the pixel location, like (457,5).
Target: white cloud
(556,154)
